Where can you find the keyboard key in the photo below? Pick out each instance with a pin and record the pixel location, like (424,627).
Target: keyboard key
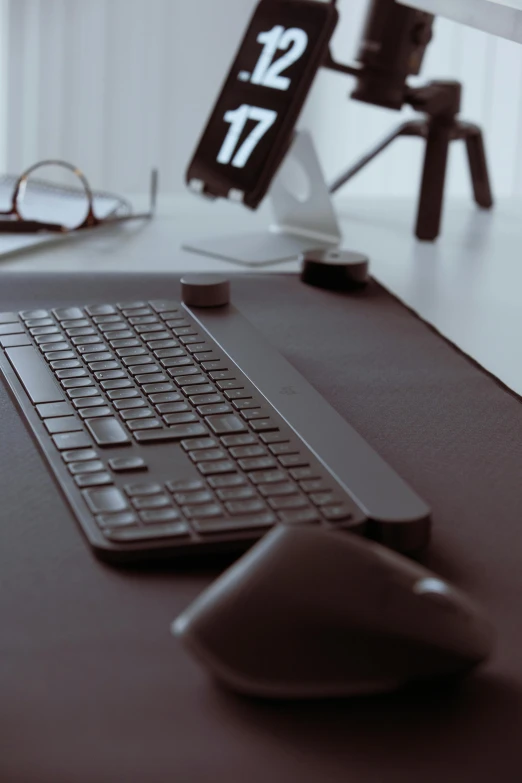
(143,424)
(180,330)
(51,409)
(173,407)
(48,340)
(257,463)
(174,433)
(198,348)
(232,384)
(112,327)
(131,351)
(11,318)
(254,413)
(79,454)
(128,404)
(81,331)
(219,466)
(34,375)
(125,343)
(238,440)
(207,356)
(107,432)
(283,448)
(153,338)
(159,515)
(131,305)
(183,361)
(199,443)
(219,365)
(222,425)
(232,480)
(149,533)
(143,489)
(90,391)
(202,455)
(104,357)
(184,370)
(110,375)
(240,452)
(169,353)
(66,313)
(136,361)
(172,362)
(288,502)
(238,394)
(122,394)
(210,526)
(76,383)
(63,424)
(163,305)
(324,499)
(124,334)
(299,516)
(300,474)
(95,413)
(124,464)
(167,343)
(24,315)
(88,348)
(41,330)
(180,418)
(103,501)
(136,320)
(193,498)
(93,466)
(143,370)
(241,405)
(88,402)
(78,373)
(121,383)
(294,461)
(267,477)
(264,425)
(278,490)
(336,513)
(101,309)
(244,507)
(149,328)
(94,480)
(164,396)
(104,366)
(14,340)
(236,493)
(52,356)
(72,440)
(157,501)
(152,378)
(123,519)
(159,388)
(67,364)
(203,388)
(80,341)
(206,399)
(185,485)
(314,485)
(141,413)
(212,410)
(203,512)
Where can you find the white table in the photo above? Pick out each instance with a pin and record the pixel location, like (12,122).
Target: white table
(499,17)
(468,285)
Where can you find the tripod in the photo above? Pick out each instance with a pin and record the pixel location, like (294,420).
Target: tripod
(440,102)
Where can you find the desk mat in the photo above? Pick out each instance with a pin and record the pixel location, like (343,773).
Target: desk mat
(93,689)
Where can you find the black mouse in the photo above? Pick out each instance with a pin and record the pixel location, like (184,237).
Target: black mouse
(311,612)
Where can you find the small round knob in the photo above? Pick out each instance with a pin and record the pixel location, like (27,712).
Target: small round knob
(205,290)
(338,270)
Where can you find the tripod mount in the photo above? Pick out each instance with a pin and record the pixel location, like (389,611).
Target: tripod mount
(440,102)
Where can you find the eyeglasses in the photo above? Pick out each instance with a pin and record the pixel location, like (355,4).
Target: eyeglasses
(32,196)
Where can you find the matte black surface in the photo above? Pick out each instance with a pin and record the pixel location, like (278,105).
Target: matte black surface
(95,690)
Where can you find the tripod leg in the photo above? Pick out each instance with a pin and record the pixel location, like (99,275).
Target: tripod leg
(479,168)
(433,180)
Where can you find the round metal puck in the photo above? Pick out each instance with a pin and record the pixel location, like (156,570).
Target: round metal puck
(337,270)
(205,290)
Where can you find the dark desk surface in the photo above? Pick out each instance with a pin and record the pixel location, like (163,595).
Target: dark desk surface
(93,688)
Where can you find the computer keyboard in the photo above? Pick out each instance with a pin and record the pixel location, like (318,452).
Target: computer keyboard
(174,432)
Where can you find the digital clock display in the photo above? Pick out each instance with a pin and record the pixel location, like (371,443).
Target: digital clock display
(251,125)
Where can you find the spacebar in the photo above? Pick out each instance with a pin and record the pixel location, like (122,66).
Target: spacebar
(34,375)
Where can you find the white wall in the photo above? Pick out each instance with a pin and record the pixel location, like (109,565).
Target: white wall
(120,85)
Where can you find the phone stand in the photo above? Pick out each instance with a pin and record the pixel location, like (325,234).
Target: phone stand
(304,218)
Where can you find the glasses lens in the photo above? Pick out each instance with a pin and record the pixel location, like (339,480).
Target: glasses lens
(54,193)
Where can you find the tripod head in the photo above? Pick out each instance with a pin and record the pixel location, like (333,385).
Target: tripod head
(393,45)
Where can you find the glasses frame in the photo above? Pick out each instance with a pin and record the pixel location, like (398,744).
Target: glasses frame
(18,224)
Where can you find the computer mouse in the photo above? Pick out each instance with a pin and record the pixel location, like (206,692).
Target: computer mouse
(312,612)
